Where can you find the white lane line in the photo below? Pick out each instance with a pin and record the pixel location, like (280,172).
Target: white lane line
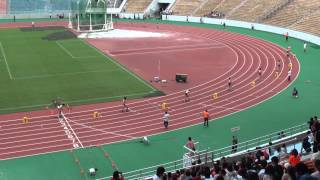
(105,132)
(64,74)
(166,51)
(169,47)
(258,103)
(66,120)
(65,49)
(5,60)
(119,65)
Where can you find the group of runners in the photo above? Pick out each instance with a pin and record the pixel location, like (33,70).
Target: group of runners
(205,113)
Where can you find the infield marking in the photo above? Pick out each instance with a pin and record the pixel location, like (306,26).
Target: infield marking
(5,60)
(76,101)
(64,74)
(70,54)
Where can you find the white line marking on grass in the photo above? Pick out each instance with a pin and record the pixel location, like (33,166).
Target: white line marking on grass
(62,74)
(75,101)
(65,49)
(85,57)
(71,55)
(109,97)
(5,60)
(119,65)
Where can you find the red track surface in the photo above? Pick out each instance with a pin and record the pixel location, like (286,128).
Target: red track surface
(241,57)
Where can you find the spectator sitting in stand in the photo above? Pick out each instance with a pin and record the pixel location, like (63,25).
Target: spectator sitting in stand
(306,145)
(316,174)
(117,176)
(159,174)
(294,158)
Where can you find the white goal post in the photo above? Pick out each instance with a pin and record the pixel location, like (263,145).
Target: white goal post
(90,16)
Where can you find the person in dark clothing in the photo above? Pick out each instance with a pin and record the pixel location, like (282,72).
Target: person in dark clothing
(278,170)
(306,145)
(303,172)
(295,93)
(234,144)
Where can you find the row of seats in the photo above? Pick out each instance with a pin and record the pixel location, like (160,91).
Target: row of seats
(309,24)
(137,6)
(208,7)
(302,15)
(252,9)
(186,7)
(290,14)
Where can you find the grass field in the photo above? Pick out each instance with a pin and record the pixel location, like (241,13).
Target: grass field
(34,70)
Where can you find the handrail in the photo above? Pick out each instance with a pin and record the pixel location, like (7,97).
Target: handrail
(209,156)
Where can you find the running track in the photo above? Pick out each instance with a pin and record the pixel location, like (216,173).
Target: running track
(45,134)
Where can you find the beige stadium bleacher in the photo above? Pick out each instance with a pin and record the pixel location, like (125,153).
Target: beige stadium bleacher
(228,5)
(207,7)
(293,12)
(251,10)
(310,24)
(186,7)
(137,6)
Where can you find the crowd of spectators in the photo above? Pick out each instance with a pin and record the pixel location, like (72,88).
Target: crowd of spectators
(264,163)
(248,168)
(215,14)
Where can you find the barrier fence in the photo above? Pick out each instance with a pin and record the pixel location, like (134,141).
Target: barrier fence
(208,156)
(248,25)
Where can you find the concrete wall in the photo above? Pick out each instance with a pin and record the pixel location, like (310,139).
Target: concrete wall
(262,27)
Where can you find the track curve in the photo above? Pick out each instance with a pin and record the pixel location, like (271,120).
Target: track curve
(45,134)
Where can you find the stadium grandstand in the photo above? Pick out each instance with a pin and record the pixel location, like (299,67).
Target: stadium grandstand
(159,89)
(136,6)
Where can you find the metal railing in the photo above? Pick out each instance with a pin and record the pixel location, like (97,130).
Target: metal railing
(208,156)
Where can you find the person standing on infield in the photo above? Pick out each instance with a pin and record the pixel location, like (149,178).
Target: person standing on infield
(205,116)
(166,119)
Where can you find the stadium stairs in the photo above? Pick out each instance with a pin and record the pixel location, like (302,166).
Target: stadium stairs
(310,24)
(137,6)
(296,10)
(186,7)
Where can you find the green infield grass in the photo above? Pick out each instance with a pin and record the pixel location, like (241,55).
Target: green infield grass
(35,68)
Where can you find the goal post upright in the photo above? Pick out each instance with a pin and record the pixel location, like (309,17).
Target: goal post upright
(90,16)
